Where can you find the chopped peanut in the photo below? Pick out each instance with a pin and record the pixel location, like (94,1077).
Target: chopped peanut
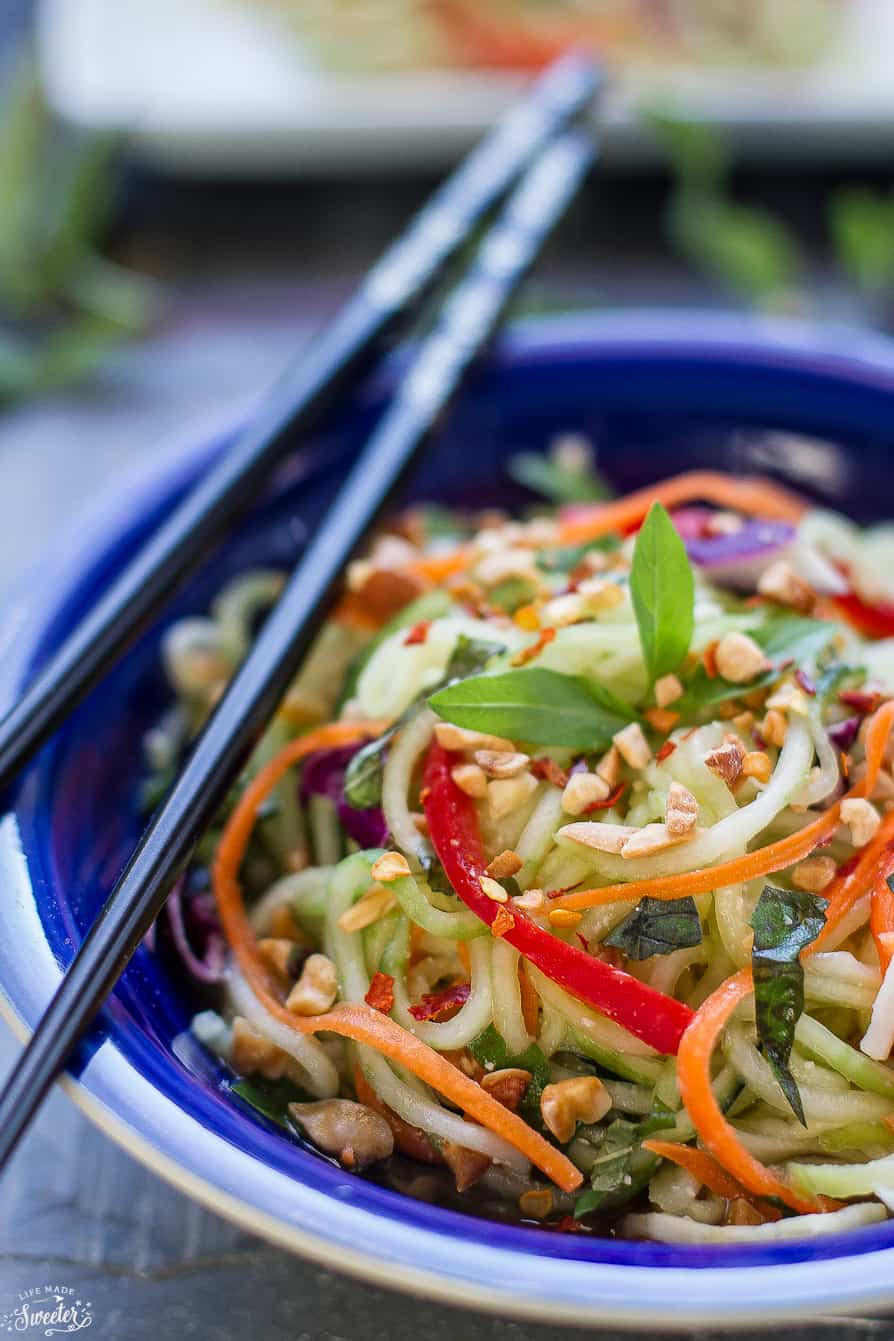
(564,610)
(507,794)
(609,767)
(601,837)
(283,956)
(567,1102)
(661,719)
(354,1134)
(757,765)
(502,923)
(506,863)
(566,919)
(782,584)
(682,810)
(498,567)
(316,989)
(774,728)
(252,1054)
(531,901)
(582,791)
(493,889)
(537,1203)
(654,838)
(862,818)
(744,722)
(374,904)
(451,737)
(390,866)
(470,779)
(632,745)
(739,658)
(508,1085)
(740,1211)
(501,763)
(726,761)
(788,698)
(600,593)
(814,874)
(667,690)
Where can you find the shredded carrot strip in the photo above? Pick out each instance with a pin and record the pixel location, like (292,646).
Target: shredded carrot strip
(881,916)
(694,1078)
(705,1168)
(354,1020)
(765,860)
(855,881)
(755,495)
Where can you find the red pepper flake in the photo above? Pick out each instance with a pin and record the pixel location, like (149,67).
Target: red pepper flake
(503,922)
(434,1004)
(583,940)
(381,993)
(861,701)
(610,800)
(666,751)
(567,1225)
(527,654)
(418,633)
(847,867)
(549,771)
(566,889)
(709,660)
(804,680)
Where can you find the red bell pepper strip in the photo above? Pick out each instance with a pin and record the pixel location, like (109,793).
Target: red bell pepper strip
(873,621)
(657,1019)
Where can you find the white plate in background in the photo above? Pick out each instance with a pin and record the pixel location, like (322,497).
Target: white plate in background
(222,87)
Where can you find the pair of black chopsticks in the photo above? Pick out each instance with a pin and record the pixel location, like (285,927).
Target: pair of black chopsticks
(533,155)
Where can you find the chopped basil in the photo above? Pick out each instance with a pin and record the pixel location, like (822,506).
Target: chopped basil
(784,639)
(363,778)
(567,557)
(511,593)
(547,476)
(270,1097)
(784,922)
(489,1050)
(657,927)
(535,705)
(663,592)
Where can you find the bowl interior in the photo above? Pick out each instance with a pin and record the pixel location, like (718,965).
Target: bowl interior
(653,404)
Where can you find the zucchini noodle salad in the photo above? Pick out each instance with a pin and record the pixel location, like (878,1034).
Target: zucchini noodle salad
(561,887)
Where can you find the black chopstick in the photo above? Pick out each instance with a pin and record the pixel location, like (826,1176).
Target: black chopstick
(467,323)
(389,293)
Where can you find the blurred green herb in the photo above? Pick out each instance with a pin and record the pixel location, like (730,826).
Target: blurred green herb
(63,305)
(862,227)
(747,249)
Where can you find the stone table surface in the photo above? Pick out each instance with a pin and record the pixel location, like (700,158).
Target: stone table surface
(75,1209)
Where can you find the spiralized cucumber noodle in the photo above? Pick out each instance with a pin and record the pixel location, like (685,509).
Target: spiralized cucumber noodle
(571,838)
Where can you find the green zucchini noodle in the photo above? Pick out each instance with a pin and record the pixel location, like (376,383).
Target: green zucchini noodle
(565,783)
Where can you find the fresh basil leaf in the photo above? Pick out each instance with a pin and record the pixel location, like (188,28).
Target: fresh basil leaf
(489,1050)
(555,481)
(535,705)
(567,557)
(586,1202)
(469,656)
(784,922)
(663,592)
(836,677)
(363,776)
(657,927)
(794,638)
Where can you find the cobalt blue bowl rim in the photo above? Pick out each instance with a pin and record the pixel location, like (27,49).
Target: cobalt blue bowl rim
(418,1248)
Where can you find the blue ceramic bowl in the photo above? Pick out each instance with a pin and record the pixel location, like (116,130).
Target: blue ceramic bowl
(657,394)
